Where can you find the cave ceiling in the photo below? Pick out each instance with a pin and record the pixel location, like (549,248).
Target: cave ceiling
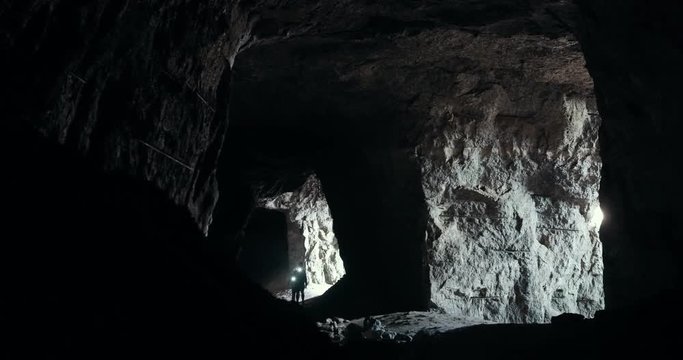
(325,77)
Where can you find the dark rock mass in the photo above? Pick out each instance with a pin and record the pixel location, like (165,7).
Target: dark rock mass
(139,87)
(633,52)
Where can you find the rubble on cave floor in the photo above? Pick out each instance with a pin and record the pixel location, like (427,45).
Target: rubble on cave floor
(400,327)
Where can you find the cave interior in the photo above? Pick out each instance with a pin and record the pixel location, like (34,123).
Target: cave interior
(167,162)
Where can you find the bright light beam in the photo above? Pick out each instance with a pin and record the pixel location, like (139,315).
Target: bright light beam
(596,217)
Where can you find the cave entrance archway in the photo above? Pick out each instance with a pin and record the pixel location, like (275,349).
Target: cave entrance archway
(310,236)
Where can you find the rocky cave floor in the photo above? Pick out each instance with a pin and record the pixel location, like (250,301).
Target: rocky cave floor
(436,335)
(400,327)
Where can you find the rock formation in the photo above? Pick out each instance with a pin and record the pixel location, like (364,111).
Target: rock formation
(140,88)
(511,172)
(309,231)
(503,131)
(510,228)
(416,117)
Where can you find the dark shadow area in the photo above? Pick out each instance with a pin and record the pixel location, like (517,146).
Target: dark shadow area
(380,223)
(264,256)
(609,335)
(633,52)
(353,140)
(103,266)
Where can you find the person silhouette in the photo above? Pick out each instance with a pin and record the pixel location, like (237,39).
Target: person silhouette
(298,281)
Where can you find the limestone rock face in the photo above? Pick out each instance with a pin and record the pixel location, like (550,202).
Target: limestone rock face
(139,88)
(512,189)
(310,233)
(499,117)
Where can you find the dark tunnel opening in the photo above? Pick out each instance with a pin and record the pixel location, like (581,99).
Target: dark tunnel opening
(379,221)
(264,255)
(352,140)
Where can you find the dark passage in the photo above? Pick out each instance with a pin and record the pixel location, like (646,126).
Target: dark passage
(380,224)
(264,256)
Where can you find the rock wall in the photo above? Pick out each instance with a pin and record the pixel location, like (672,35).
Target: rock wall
(310,233)
(137,87)
(511,168)
(510,200)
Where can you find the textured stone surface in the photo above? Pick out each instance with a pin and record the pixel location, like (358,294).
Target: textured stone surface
(310,232)
(421,323)
(496,113)
(510,231)
(137,87)
(511,171)
(112,262)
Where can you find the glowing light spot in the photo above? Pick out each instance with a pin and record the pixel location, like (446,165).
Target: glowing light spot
(596,216)
(298,269)
(293,278)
